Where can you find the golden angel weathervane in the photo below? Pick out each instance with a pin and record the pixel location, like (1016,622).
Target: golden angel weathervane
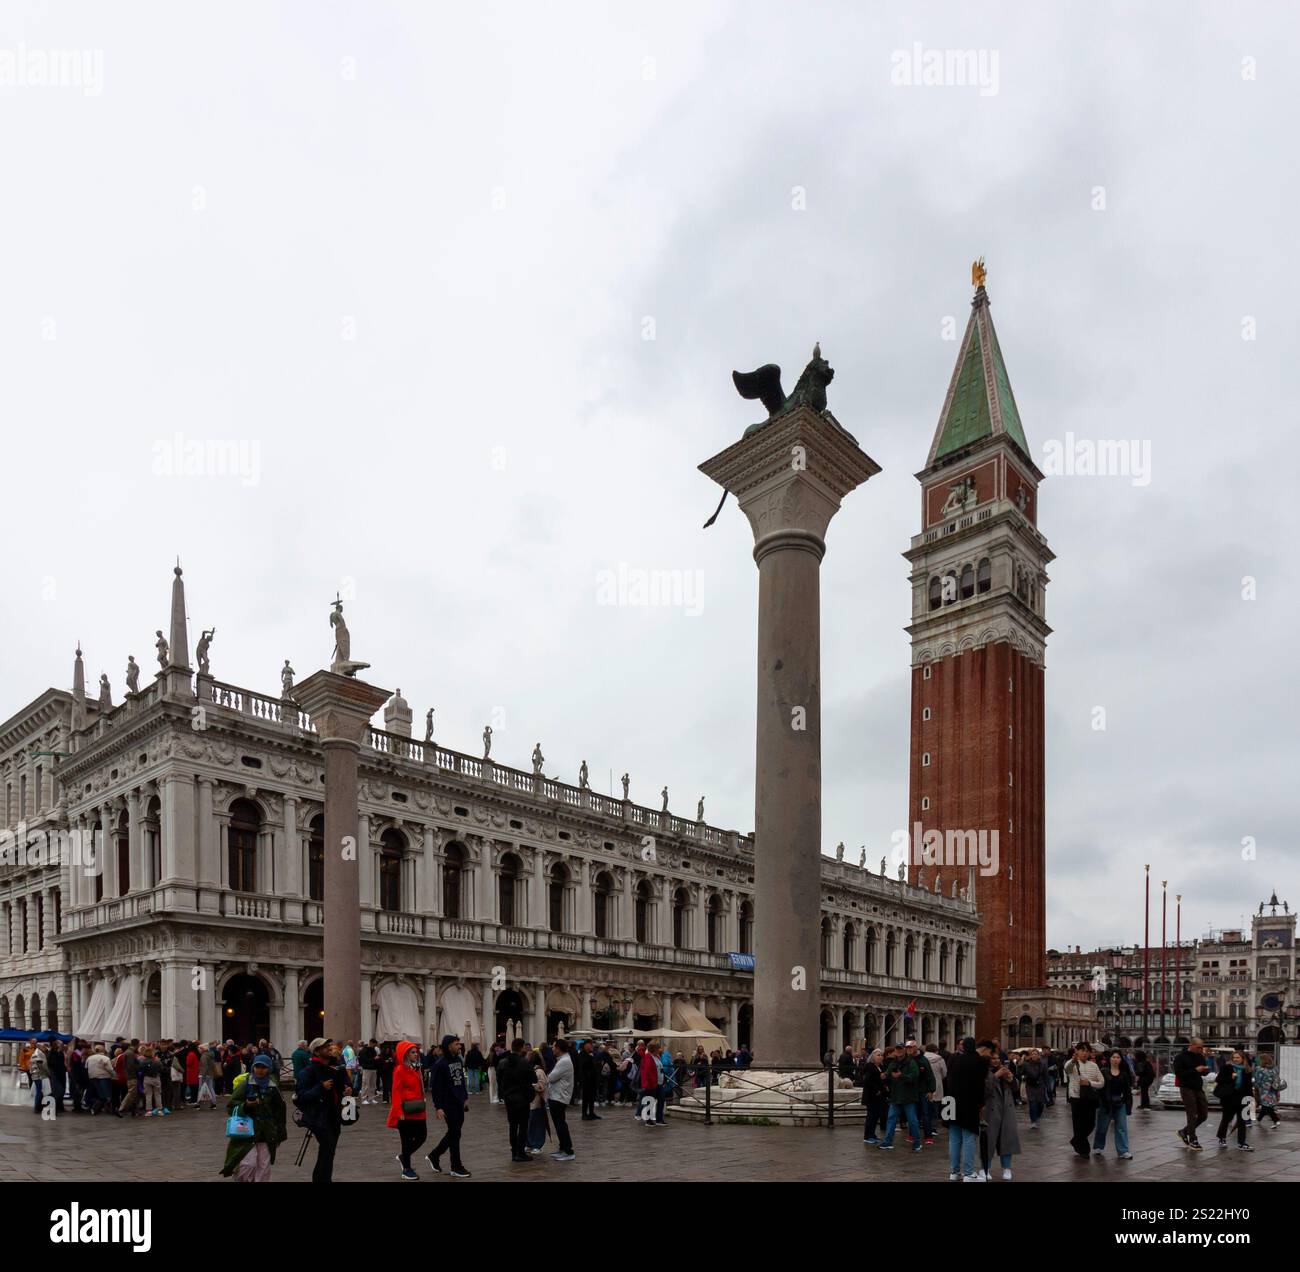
(977,273)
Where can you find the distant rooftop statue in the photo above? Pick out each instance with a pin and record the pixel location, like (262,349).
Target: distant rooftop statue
(978,273)
(343,664)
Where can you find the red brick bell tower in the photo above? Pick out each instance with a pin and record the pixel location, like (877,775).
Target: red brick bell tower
(978,636)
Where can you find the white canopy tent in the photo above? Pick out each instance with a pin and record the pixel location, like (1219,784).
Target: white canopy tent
(398,1014)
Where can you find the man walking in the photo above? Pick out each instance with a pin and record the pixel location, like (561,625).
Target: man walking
(587,1077)
(1085,1081)
(559,1091)
(1189,1070)
(320,1096)
(903,1081)
(515,1081)
(450,1095)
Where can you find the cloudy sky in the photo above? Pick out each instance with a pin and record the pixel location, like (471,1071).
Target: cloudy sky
(463,291)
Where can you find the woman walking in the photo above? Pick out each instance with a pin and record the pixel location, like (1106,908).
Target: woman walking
(1000,1113)
(408,1112)
(1034,1070)
(1267,1087)
(256,1096)
(538,1126)
(1114,1104)
(1232,1084)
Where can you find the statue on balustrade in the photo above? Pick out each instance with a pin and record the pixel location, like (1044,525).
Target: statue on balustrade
(538,760)
(862,859)
(901,867)
(626,781)
(343,664)
(487,741)
(164,654)
(201,650)
(882,867)
(699,810)
(665,795)
(286,680)
(839,851)
(582,776)
(428,725)
(132,674)
(105,693)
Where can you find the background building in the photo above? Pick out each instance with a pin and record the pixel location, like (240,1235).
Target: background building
(489,894)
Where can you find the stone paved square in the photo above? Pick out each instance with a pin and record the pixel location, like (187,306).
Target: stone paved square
(190,1146)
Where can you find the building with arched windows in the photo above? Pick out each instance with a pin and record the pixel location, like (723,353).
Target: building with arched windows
(489,895)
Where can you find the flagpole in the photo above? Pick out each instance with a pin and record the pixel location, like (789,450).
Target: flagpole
(1164,984)
(1146,959)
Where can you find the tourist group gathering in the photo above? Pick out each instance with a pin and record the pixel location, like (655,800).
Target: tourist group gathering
(980,1096)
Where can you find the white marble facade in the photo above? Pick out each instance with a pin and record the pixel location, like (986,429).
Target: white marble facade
(489,893)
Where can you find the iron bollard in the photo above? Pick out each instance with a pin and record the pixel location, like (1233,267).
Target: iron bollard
(830,1111)
(708,1104)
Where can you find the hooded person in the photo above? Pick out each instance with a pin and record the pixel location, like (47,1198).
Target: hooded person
(256,1096)
(407,1111)
(450,1095)
(515,1083)
(321,1091)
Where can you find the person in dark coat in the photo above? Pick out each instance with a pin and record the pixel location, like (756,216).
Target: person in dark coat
(1034,1075)
(515,1086)
(450,1095)
(1114,1104)
(321,1091)
(1145,1072)
(585,1063)
(966,1073)
(873,1096)
(1233,1085)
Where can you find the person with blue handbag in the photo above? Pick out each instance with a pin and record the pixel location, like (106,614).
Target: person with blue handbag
(257,1124)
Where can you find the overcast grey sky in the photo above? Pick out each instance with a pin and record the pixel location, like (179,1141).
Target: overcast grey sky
(411,256)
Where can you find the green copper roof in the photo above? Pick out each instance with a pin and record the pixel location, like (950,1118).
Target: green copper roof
(980,402)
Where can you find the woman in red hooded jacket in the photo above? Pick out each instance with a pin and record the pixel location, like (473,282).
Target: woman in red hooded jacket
(408,1093)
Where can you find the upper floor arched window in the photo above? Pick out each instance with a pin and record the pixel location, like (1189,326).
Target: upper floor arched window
(242,835)
(508,890)
(936,593)
(984,576)
(453,875)
(559,883)
(967,582)
(746,927)
(392,851)
(603,899)
(643,895)
(316,858)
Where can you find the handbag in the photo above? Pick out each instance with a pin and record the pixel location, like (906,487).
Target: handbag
(411,1107)
(239,1127)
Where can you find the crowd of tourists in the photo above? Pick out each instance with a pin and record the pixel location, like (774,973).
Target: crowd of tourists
(974,1093)
(133,1078)
(977,1090)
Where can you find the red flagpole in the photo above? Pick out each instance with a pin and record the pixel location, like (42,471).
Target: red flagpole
(1146,959)
(1178,948)
(1164,984)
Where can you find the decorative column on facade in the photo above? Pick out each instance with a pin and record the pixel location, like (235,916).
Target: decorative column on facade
(178,999)
(47,917)
(289,870)
(667,1021)
(733,1023)
(585,917)
(584,1008)
(700,935)
(178,847)
(367,1011)
(365,861)
(108,819)
(207,1002)
(626,905)
(489,1021)
(538,1027)
(484,910)
(207,858)
(425,902)
(292,1011)
(430,1020)
(789,475)
(537,912)
(135,841)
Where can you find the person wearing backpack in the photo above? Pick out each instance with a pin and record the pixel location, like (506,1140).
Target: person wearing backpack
(320,1098)
(255,1095)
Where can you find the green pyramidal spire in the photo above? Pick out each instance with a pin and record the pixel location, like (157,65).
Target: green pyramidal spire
(979,402)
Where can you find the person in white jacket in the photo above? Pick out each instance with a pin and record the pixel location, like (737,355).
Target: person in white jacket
(1085,1081)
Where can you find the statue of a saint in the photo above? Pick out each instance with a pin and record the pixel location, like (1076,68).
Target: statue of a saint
(343,664)
(882,867)
(699,810)
(839,851)
(286,680)
(582,776)
(626,781)
(665,795)
(132,674)
(105,693)
(900,871)
(201,649)
(164,654)
(920,876)
(428,725)
(487,741)
(954,889)
(862,860)
(938,882)
(538,759)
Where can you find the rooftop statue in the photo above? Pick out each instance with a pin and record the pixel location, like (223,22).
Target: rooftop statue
(201,649)
(487,741)
(163,653)
(428,725)
(343,664)
(286,680)
(132,674)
